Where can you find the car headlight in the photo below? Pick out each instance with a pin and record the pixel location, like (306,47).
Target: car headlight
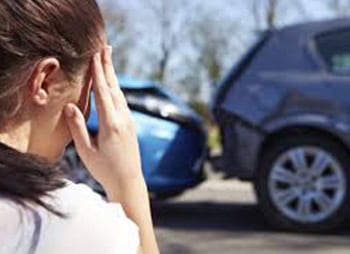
(160,105)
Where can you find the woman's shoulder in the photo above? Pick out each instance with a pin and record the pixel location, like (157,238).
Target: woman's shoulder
(10,217)
(91,222)
(9,209)
(80,201)
(79,197)
(16,226)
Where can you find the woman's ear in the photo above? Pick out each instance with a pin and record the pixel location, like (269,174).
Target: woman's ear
(45,74)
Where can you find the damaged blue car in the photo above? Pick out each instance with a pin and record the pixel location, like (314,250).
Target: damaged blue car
(284,116)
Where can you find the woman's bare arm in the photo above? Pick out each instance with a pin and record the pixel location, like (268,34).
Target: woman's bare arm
(135,201)
(114,158)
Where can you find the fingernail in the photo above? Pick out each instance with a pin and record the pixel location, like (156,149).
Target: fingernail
(69,111)
(106,53)
(110,50)
(97,56)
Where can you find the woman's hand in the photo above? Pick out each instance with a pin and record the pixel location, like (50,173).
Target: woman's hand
(113,158)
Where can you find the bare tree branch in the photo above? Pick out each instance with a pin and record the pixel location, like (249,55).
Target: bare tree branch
(339,7)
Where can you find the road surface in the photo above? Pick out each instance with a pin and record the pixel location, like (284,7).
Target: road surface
(221,216)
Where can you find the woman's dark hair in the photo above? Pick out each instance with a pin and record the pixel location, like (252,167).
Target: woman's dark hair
(30,30)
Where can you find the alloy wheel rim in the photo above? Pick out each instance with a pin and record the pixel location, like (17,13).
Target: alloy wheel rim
(307,184)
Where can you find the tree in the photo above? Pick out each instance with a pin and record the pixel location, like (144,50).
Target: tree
(116,26)
(340,8)
(165,14)
(264,13)
(269,14)
(184,44)
(215,40)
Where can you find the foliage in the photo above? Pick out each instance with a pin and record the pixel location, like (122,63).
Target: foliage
(188,45)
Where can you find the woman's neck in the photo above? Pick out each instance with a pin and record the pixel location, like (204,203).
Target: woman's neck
(17,137)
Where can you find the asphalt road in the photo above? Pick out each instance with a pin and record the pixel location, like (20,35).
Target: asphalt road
(222,217)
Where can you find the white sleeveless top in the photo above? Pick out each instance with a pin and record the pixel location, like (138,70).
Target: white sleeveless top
(93,226)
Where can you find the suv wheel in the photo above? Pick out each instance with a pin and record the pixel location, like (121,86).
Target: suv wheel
(303,183)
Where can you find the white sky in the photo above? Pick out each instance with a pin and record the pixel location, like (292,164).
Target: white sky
(146,45)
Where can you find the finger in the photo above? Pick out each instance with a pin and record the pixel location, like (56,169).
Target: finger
(104,104)
(111,78)
(77,127)
(108,67)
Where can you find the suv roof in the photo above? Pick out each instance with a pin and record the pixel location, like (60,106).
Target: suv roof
(312,28)
(293,47)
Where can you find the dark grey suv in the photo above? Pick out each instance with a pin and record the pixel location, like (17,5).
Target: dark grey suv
(284,115)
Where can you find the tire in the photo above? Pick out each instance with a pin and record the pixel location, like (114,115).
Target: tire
(316,197)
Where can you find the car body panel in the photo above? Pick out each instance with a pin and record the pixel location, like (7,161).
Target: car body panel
(170,153)
(286,84)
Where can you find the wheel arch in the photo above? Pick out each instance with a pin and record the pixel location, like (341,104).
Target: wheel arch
(273,137)
(269,208)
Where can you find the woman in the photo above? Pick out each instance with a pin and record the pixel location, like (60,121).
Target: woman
(52,53)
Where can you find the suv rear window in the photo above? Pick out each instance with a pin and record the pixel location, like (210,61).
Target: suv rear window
(334,48)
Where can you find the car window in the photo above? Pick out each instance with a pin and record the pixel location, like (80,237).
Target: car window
(334,48)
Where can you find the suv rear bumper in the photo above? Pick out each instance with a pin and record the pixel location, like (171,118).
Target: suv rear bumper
(241,146)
